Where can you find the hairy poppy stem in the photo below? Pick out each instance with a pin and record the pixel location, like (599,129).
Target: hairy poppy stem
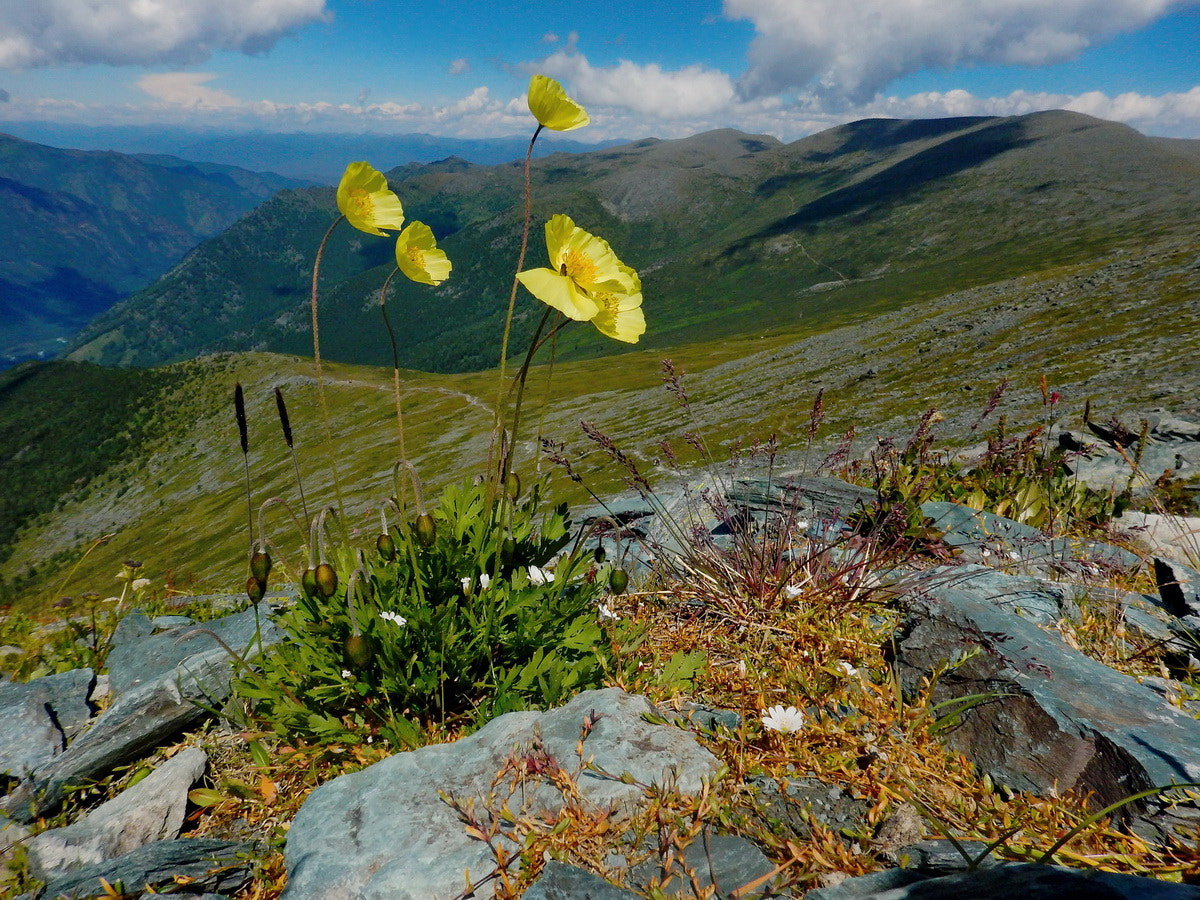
(395,359)
(337,482)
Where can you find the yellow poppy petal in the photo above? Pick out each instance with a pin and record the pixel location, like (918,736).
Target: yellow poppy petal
(418,256)
(552,107)
(621,316)
(364,199)
(560,292)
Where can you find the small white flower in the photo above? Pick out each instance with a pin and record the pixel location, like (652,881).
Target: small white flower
(607,613)
(394,617)
(485,581)
(465,581)
(140,584)
(345,673)
(538,577)
(783,718)
(792,591)
(848,669)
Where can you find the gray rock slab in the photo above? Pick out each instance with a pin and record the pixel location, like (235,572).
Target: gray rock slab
(38,716)
(724,861)
(936,858)
(560,881)
(1026,596)
(797,803)
(136,723)
(1171,537)
(876,886)
(1017,881)
(151,810)
(1055,718)
(140,653)
(213,866)
(983,536)
(385,833)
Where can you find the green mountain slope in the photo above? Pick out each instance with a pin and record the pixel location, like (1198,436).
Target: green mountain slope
(80,229)
(732,233)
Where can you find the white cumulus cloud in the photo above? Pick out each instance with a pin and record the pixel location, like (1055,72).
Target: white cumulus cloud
(186,89)
(850,50)
(647,89)
(139,32)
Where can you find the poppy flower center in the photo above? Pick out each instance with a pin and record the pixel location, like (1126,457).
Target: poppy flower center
(579,267)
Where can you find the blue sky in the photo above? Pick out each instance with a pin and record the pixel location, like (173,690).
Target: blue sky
(650,68)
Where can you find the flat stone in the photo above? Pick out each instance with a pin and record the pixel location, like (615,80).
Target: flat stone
(1058,719)
(887,883)
(936,858)
(151,810)
(213,866)
(386,833)
(137,723)
(724,861)
(141,654)
(802,800)
(1171,537)
(38,716)
(560,881)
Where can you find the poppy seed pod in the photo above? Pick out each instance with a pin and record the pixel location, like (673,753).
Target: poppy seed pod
(426,530)
(386,547)
(260,565)
(308,581)
(618,580)
(255,589)
(326,579)
(358,651)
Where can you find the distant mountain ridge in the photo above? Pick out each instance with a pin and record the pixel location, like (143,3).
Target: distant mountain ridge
(308,156)
(732,234)
(80,229)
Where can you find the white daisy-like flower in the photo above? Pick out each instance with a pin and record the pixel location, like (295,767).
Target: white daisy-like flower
(538,577)
(607,613)
(465,581)
(485,581)
(850,670)
(345,673)
(783,718)
(394,617)
(792,591)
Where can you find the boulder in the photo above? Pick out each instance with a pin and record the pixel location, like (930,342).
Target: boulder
(151,810)
(208,865)
(1050,718)
(389,832)
(37,717)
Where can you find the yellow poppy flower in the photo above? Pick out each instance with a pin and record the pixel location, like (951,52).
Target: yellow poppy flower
(552,107)
(419,258)
(620,315)
(583,266)
(365,201)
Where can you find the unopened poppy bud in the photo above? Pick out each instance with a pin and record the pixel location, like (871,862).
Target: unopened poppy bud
(599,553)
(326,579)
(618,580)
(425,529)
(308,581)
(386,547)
(512,485)
(358,651)
(508,551)
(260,565)
(255,589)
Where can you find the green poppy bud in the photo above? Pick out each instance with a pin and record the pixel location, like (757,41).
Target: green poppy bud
(255,589)
(386,547)
(358,651)
(599,553)
(508,551)
(512,485)
(425,529)
(326,579)
(618,580)
(308,581)
(260,565)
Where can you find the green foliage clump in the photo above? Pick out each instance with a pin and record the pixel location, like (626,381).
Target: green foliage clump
(471,626)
